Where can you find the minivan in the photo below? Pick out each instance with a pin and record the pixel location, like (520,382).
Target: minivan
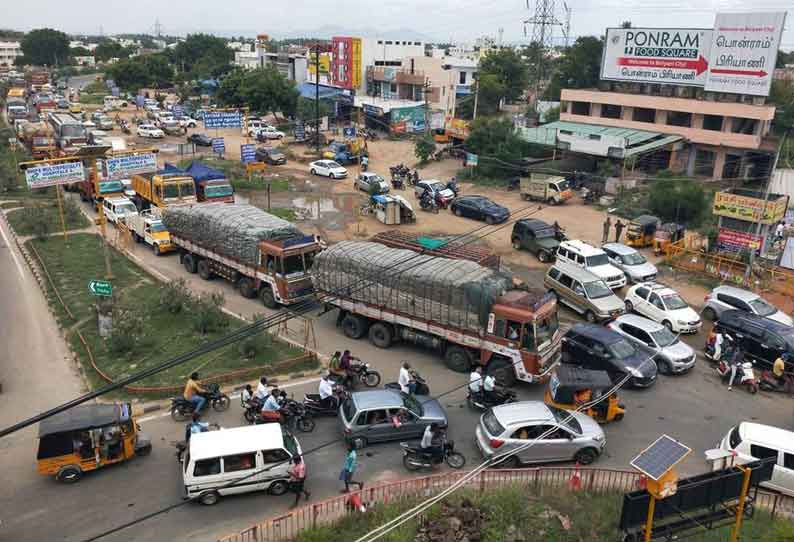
(752,441)
(762,340)
(583,292)
(117,209)
(594,260)
(256,455)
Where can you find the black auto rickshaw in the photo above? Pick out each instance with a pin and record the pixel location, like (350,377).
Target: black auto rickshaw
(572,388)
(668,233)
(641,231)
(88,437)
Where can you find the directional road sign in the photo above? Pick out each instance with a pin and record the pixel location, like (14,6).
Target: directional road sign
(100,288)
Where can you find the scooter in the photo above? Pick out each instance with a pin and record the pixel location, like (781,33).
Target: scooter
(478,400)
(768,382)
(744,375)
(313,405)
(421,384)
(415,458)
(182,409)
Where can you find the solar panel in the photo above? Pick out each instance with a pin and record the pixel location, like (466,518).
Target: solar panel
(661,456)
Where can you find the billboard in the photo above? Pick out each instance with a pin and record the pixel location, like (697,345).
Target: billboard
(220,119)
(122,167)
(54,174)
(744,51)
(218,145)
(247,153)
(673,56)
(749,209)
(737,241)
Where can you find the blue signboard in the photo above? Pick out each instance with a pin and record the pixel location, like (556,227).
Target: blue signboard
(471,159)
(300,130)
(115,91)
(179,112)
(139,101)
(218,145)
(247,153)
(349,131)
(216,119)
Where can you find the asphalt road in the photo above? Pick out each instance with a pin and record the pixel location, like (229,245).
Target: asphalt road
(694,408)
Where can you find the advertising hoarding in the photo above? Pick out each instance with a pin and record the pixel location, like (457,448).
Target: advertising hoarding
(122,167)
(737,241)
(749,209)
(247,153)
(222,119)
(54,174)
(218,145)
(743,52)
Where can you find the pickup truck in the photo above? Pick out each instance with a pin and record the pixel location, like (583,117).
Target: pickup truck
(148,228)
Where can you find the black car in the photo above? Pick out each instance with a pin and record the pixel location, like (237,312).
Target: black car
(535,236)
(270,155)
(594,347)
(479,208)
(202,140)
(762,340)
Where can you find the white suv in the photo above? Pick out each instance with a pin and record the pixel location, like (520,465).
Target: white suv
(594,260)
(663,305)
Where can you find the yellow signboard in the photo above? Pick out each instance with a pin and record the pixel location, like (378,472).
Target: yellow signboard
(357,67)
(749,209)
(457,128)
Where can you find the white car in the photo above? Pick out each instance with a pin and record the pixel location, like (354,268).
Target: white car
(664,305)
(269,132)
(118,209)
(187,122)
(150,130)
(633,264)
(436,188)
(593,259)
(328,168)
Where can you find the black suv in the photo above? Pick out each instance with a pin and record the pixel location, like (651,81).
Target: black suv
(762,340)
(594,347)
(535,236)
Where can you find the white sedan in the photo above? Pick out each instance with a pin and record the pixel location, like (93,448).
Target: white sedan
(664,305)
(150,130)
(328,168)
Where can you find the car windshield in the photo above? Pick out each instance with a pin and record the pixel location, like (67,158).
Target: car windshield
(674,302)
(546,328)
(374,179)
(171,190)
(218,191)
(110,186)
(664,337)
(158,227)
(491,424)
(413,405)
(596,260)
(293,264)
(635,258)
(566,419)
(332,164)
(621,349)
(761,307)
(597,289)
(562,186)
(126,209)
(437,186)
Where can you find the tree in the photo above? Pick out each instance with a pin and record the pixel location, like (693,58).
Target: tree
(45,47)
(499,147)
(579,68)
(510,70)
(782,95)
(305,109)
(784,58)
(110,49)
(145,71)
(424,148)
(202,56)
(80,51)
(263,89)
(678,200)
(552,115)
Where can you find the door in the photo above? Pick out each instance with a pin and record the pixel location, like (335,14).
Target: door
(206,474)
(764,452)
(551,446)
(275,463)
(654,307)
(785,473)
(322,168)
(769,348)
(529,241)
(240,467)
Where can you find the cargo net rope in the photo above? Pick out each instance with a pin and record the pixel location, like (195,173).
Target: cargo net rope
(457,293)
(232,230)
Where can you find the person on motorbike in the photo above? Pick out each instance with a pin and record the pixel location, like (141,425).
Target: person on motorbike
(335,366)
(262,390)
(736,361)
(364,163)
(406,380)
(271,410)
(779,369)
(248,396)
(475,381)
(346,364)
(431,442)
(416,176)
(326,391)
(491,392)
(193,391)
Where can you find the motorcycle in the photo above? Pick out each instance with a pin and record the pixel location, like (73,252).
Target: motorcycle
(364,165)
(768,382)
(421,384)
(479,401)
(441,203)
(744,375)
(428,204)
(359,373)
(251,408)
(182,409)
(415,458)
(397,183)
(292,415)
(313,405)
(125,127)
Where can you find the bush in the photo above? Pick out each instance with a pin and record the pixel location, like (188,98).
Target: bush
(256,345)
(424,148)
(174,296)
(678,200)
(37,221)
(127,332)
(206,313)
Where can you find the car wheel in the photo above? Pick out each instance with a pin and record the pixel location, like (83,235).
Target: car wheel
(516,244)
(313,171)
(489,220)
(586,456)
(669,325)
(69,474)
(543,256)
(209,498)
(709,314)
(457,211)
(591,317)
(457,359)
(279,487)
(629,306)
(664,367)
(510,462)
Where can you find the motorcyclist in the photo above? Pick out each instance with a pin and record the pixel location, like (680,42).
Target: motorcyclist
(736,361)
(406,379)
(335,366)
(364,163)
(195,426)
(779,369)
(193,392)
(262,390)
(346,365)
(416,176)
(475,381)
(326,391)
(271,409)
(491,393)
(431,442)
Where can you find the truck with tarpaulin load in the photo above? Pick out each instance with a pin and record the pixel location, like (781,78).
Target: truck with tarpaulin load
(162,189)
(468,313)
(438,246)
(262,255)
(39,140)
(212,186)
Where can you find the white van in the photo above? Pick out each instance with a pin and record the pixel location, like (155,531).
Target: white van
(258,456)
(118,209)
(594,260)
(752,441)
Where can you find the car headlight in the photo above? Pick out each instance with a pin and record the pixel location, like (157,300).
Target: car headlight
(635,372)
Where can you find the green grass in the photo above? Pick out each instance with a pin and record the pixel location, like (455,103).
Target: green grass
(73,264)
(92,99)
(24,221)
(238,177)
(286,214)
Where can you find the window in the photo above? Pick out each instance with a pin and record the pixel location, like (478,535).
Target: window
(580,108)
(513,330)
(388,43)
(274,456)
(594,137)
(704,162)
(554,273)
(375,417)
(643,114)
(207,467)
(566,281)
(732,301)
(235,463)
(679,118)
(609,111)
(743,126)
(656,301)
(788,460)
(462,78)
(734,438)
(393,88)
(713,122)
(578,289)
(773,341)
(562,253)
(762,452)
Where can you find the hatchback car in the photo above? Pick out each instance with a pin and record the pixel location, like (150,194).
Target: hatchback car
(435,187)
(724,298)
(664,305)
(762,340)
(562,435)
(150,130)
(366,416)
(327,168)
(365,181)
(479,208)
(636,267)
(202,140)
(270,155)
(594,347)
(537,237)
(672,355)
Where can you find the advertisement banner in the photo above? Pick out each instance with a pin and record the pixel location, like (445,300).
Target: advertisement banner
(677,56)
(471,159)
(744,52)
(736,241)
(218,145)
(219,119)
(247,153)
(300,130)
(748,208)
(412,117)
(123,167)
(178,111)
(54,174)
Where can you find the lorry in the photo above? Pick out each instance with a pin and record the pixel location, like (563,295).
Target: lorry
(261,254)
(38,79)
(107,189)
(553,189)
(147,227)
(70,133)
(163,188)
(438,247)
(345,152)
(39,139)
(469,314)
(211,184)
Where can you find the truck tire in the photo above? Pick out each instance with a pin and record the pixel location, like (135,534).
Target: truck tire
(246,287)
(457,359)
(502,370)
(204,270)
(354,326)
(189,261)
(381,334)
(267,297)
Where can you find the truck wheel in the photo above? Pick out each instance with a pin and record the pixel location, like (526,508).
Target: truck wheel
(267,297)
(381,335)
(204,270)
(189,261)
(502,370)
(247,289)
(543,256)
(354,326)
(156,249)
(457,359)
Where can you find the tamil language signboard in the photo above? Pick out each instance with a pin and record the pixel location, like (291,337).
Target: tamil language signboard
(247,153)
(737,241)
(122,167)
(675,56)
(748,208)
(744,51)
(223,119)
(218,145)
(54,174)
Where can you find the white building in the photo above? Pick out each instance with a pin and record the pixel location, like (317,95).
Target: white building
(240,46)
(84,60)
(9,51)
(248,60)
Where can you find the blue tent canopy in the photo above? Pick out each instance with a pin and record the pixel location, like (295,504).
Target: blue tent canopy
(171,169)
(200,172)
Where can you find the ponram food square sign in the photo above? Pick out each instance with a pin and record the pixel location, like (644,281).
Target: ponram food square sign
(749,209)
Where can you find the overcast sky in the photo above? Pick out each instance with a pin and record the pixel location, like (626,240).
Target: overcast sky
(443,20)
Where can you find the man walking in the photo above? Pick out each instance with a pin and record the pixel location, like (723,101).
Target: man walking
(297,477)
(619,230)
(349,468)
(605,235)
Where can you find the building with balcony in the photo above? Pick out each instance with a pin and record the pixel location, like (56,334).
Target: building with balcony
(350,58)
(9,51)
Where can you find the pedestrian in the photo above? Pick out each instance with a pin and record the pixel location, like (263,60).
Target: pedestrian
(297,477)
(605,235)
(779,231)
(349,468)
(619,230)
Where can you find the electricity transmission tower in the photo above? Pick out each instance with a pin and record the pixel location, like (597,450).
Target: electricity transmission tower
(543,22)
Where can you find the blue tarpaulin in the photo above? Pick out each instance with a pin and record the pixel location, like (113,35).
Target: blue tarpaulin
(200,172)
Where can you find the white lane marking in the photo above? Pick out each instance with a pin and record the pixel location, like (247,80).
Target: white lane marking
(13,253)
(167,412)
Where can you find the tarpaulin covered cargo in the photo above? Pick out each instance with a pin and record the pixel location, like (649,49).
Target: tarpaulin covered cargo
(456,293)
(230,230)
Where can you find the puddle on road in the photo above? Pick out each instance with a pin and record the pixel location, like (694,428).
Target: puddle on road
(326,210)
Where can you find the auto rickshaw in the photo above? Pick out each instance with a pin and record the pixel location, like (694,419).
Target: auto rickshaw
(88,437)
(641,231)
(570,387)
(669,232)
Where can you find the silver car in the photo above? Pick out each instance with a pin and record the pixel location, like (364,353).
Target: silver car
(725,298)
(672,356)
(367,416)
(367,179)
(572,436)
(631,262)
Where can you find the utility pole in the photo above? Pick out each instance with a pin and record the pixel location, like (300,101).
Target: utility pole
(476,97)
(317,95)
(426,91)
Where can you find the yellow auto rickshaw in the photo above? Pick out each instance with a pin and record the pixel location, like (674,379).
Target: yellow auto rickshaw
(668,233)
(88,437)
(572,388)
(641,231)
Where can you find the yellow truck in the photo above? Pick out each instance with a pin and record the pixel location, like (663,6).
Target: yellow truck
(148,228)
(162,190)
(552,189)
